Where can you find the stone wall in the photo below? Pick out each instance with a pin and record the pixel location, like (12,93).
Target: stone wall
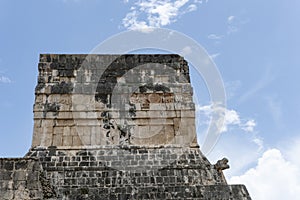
(23,178)
(113,99)
(134,173)
(114,127)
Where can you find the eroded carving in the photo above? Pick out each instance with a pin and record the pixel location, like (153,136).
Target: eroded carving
(222,164)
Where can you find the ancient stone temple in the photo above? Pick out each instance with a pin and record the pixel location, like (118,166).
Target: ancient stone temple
(114,127)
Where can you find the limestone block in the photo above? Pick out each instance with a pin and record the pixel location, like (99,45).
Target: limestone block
(47,89)
(38,107)
(95,137)
(40,98)
(82,99)
(91,115)
(76,141)
(38,114)
(142,121)
(47,130)
(158,106)
(58,130)
(73,130)
(64,115)
(36,139)
(188,114)
(65,122)
(49,123)
(155,129)
(141,131)
(67,140)
(67,131)
(57,140)
(86,139)
(87,122)
(170,106)
(177,124)
(141,114)
(162,114)
(187,88)
(169,132)
(7,195)
(99,106)
(185,106)
(159,121)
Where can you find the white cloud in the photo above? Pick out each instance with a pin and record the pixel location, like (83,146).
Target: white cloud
(230,19)
(235,23)
(157,13)
(192,8)
(274,177)
(232,25)
(249,126)
(231,118)
(4,79)
(214,56)
(132,23)
(214,37)
(259,142)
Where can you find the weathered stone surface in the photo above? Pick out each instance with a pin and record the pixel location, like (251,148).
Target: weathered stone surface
(21,178)
(134,172)
(115,127)
(127,99)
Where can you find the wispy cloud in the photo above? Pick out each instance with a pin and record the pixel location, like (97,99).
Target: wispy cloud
(215,36)
(266,79)
(191,8)
(145,14)
(275,109)
(230,19)
(214,55)
(233,24)
(4,79)
(232,88)
(259,142)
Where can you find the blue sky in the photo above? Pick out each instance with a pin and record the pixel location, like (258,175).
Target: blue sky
(255,45)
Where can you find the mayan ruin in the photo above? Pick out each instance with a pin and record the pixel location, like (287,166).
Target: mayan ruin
(115,127)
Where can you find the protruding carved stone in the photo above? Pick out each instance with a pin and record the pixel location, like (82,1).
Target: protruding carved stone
(222,164)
